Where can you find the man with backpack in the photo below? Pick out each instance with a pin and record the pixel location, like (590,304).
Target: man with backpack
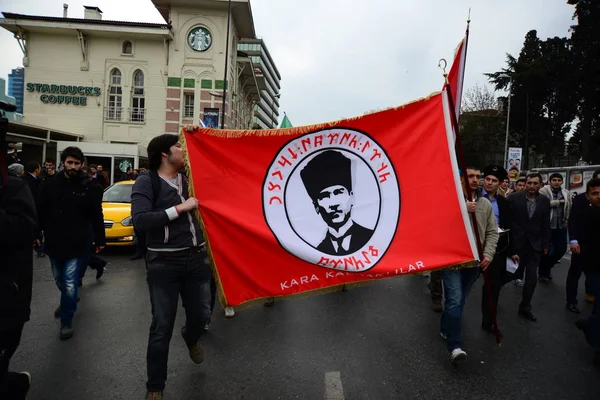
(69,205)
(176,259)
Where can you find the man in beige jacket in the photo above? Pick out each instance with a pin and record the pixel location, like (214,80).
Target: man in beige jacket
(458,282)
(560,209)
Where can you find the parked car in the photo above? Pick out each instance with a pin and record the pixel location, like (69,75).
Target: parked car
(116,205)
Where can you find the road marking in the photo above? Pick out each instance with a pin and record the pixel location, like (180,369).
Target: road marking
(333,386)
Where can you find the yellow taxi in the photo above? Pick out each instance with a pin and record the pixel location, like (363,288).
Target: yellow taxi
(116,206)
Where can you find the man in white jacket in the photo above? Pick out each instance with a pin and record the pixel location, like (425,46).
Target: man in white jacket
(560,203)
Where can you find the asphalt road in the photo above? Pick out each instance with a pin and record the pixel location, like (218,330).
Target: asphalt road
(376,342)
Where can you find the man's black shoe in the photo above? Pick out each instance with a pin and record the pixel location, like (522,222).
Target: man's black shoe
(57,312)
(573,308)
(99,273)
(137,256)
(490,329)
(528,316)
(66,331)
(581,324)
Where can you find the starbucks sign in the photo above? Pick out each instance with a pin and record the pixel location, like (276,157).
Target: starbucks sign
(63,94)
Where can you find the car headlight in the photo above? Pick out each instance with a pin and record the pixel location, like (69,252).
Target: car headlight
(127,221)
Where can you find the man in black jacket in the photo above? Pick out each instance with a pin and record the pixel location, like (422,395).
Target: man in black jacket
(580,203)
(32,177)
(530,235)
(493,175)
(69,205)
(17,232)
(176,258)
(588,248)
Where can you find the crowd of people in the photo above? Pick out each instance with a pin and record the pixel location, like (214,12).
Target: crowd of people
(522,232)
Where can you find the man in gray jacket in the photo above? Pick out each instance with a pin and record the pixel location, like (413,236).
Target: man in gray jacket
(176,259)
(560,208)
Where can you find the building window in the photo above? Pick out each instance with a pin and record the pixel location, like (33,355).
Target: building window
(127,48)
(115,96)
(188,105)
(138,101)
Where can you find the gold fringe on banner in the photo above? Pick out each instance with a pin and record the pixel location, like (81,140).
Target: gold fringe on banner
(278,132)
(300,130)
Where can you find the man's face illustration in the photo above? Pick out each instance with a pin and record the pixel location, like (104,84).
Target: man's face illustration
(334,205)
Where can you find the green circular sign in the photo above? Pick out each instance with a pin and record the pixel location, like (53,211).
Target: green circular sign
(199,39)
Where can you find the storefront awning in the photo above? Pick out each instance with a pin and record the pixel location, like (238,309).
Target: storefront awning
(21,129)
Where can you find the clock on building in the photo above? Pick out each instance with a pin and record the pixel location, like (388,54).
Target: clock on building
(199,39)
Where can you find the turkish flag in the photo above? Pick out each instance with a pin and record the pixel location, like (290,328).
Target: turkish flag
(288,211)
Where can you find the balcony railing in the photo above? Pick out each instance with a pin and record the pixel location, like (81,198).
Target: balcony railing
(137,114)
(113,113)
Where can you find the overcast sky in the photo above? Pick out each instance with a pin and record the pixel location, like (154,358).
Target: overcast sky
(341,58)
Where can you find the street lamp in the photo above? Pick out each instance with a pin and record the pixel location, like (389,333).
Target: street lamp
(273,108)
(507,118)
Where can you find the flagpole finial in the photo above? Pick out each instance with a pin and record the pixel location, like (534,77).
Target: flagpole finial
(442,64)
(469,18)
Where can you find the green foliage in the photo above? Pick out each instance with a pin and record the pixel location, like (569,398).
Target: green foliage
(555,87)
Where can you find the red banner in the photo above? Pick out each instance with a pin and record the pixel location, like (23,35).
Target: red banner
(302,209)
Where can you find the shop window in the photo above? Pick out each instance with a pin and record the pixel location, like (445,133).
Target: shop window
(115,96)
(127,48)
(138,100)
(188,105)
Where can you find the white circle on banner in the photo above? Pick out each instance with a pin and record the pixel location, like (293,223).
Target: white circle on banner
(332,198)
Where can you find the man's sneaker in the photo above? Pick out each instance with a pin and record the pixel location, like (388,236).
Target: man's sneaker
(207,326)
(154,396)
(196,350)
(66,331)
(520,282)
(573,308)
(458,355)
(437,305)
(443,335)
(57,312)
(229,313)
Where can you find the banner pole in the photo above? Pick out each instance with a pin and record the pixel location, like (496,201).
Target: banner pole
(462,166)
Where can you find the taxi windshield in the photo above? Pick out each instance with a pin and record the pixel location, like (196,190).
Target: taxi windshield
(118,194)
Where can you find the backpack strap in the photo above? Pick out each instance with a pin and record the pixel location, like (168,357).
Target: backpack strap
(156,186)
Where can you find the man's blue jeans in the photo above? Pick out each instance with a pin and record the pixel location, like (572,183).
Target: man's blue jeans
(66,276)
(457,285)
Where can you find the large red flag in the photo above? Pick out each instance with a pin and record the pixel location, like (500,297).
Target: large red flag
(304,209)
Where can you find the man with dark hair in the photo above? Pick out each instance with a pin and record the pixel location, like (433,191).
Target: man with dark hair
(97,177)
(497,274)
(176,261)
(328,180)
(17,232)
(32,177)
(458,282)
(49,170)
(580,205)
(69,205)
(101,171)
(560,203)
(530,236)
(520,185)
(588,223)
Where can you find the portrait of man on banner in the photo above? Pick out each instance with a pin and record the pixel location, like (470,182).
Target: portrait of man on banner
(328,182)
